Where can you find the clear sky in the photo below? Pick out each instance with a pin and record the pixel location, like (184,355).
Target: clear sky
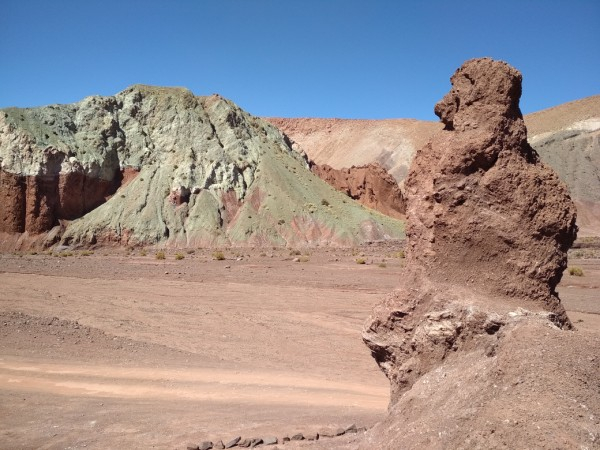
(296,58)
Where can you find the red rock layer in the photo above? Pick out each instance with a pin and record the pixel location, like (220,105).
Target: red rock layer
(371,185)
(35,204)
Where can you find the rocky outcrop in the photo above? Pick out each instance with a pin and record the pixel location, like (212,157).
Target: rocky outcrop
(161,165)
(370,185)
(488,229)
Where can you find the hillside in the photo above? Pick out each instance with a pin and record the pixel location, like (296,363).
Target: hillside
(565,136)
(162,166)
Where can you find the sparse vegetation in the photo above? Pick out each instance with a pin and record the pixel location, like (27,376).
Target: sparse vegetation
(324,202)
(160,255)
(360,261)
(179,256)
(576,271)
(218,255)
(382,265)
(86,253)
(303,259)
(294,252)
(66,254)
(143,252)
(400,254)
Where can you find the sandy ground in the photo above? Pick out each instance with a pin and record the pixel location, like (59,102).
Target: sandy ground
(119,350)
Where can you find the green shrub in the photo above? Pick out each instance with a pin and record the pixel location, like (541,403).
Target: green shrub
(360,261)
(160,255)
(576,271)
(218,255)
(143,252)
(86,253)
(179,256)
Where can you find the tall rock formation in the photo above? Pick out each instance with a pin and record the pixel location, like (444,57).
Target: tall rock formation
(488,229)
(161,165)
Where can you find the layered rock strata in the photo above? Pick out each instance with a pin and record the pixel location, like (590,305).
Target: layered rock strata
(488,229)
(161,165)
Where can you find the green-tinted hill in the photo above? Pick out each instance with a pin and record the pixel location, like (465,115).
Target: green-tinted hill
(162,166)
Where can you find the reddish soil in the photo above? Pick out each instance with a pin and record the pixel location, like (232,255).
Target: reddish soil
(126,351)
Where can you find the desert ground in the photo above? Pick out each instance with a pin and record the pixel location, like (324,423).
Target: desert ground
(118,349)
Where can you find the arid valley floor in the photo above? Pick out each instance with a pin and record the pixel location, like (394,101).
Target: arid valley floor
(120,350)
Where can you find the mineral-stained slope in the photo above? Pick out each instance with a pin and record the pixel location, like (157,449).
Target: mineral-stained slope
(160,165)
(488,227)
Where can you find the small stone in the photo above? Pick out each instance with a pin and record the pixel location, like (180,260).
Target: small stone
(255,442)
(228,267)
(192,447)
(270,440)
(206,445)
(244,443)
(285,439)
(219,445)
(233,442)
(312,437)
(298,437)
(340,432)
(361,430)
(352,429)
(326,433)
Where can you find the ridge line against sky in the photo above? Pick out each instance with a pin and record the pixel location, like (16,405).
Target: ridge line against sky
(288,58)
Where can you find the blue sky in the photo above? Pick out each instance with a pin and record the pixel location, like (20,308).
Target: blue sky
(296,58)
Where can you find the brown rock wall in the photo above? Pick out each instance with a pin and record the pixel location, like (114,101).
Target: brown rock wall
(12,199)
(371,185)
(35,204)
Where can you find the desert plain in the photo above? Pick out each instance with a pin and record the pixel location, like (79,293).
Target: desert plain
(118,349)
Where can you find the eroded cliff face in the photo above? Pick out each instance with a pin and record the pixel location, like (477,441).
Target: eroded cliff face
(371,185)
(488,229)
(160,165)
